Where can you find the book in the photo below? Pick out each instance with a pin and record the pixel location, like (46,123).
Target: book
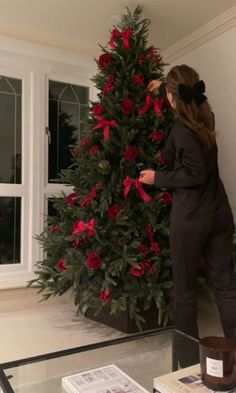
(107,379)
(186,380)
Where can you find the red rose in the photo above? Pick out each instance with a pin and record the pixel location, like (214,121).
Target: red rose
(156,247)
(156,136)
(138,79)
(107,296)
(61,266)
(98,109)
(113,211)
(72,199)
(94,150)
(104,60)
(55,229)
(131,153)
(109,85)
(93,262)
(138,272)
(166,198)
(143,249)
(127,106)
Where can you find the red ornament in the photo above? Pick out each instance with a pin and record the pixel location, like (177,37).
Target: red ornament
(94,262)
(131,153)
(94,150)
(85,142)
(113,211)
(98,109)
(156,247)
(55,229)
(127,106)
(104,60)
(109,85)
(166,198)
(79,243)
(156,136)
(138,79)
(139,271)
(143,249)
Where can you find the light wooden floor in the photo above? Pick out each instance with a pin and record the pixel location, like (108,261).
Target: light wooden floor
(29,328)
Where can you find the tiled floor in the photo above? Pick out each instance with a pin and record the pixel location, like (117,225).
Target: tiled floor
(29,328)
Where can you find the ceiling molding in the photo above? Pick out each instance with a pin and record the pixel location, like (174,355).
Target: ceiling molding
(207,32)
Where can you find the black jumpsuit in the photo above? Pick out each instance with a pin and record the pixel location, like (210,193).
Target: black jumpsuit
(201,226)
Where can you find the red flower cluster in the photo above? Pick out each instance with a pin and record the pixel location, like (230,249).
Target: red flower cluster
(85,142)
(142,59)
(98,109)
(79,243)
(113,211)
(104,60)
(72,199)
(88,199)
(109,85)
(156,136)
(150,232)
(94,261)
(138,79)
(61,265)
(127,106)
(131,153)
(55,229)
(152,52)
(156,247)
(94,150)
(106,296)
(143,249)
(166,198)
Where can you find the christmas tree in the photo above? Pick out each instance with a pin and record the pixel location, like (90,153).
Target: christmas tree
(109,241)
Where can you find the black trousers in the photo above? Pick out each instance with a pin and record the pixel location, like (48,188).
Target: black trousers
(209,236)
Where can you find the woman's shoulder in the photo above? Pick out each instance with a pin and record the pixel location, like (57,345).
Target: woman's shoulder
(180,130)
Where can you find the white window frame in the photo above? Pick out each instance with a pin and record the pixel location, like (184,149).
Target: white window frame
(35,64)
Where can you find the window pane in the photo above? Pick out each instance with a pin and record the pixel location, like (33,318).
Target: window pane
(10,130)
(68,106)
(10,223)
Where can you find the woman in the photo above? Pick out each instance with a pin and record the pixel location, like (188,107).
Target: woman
(201,218)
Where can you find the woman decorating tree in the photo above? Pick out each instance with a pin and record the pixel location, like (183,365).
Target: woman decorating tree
(201,218)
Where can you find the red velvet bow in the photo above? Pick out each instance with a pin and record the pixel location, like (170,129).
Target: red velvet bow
(105,124)
(80,226)
(128,181)
(125,36)
(156,103)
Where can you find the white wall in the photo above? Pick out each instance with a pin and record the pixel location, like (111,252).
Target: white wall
(216,63)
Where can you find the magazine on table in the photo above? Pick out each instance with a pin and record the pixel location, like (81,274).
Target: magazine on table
(107,379)
(186,380)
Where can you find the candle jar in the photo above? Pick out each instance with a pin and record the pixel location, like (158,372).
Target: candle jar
(218,363)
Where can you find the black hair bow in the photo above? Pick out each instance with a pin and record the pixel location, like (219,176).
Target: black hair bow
(195,92)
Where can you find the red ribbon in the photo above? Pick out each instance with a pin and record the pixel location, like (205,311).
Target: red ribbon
(105,124)
(128,181)
(156,103)
(81,226)
(126,34)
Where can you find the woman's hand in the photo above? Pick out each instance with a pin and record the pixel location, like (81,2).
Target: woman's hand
(154,85)
(147,176)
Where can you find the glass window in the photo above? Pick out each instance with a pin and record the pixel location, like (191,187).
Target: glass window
(10,130)
(10,225)
(68,105)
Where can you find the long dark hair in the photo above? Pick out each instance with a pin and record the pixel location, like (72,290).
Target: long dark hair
(194,115)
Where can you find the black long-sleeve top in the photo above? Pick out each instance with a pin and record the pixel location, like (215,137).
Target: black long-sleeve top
(192,173)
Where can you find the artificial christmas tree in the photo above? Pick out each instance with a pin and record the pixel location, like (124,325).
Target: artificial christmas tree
(110,239)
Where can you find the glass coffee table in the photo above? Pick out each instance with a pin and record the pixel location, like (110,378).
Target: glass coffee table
(142,356)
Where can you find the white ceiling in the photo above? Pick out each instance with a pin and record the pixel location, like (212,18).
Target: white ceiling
(79,25)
